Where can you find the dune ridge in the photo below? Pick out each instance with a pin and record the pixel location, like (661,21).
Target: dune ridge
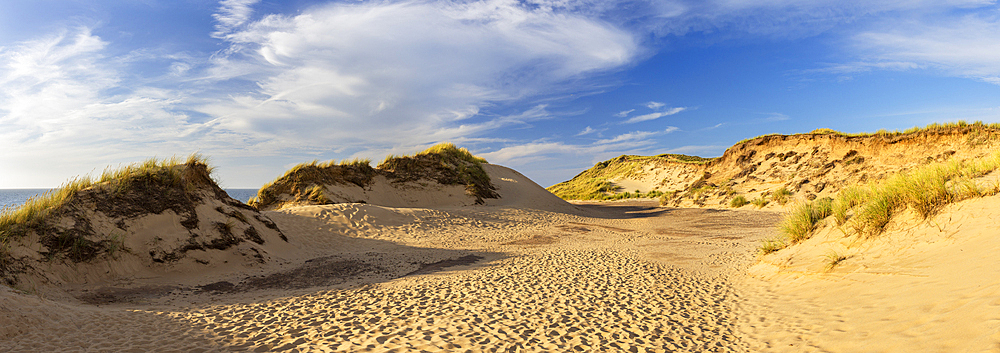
(810,166)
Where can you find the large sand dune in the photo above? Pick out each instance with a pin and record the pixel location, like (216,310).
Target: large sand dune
(522,271)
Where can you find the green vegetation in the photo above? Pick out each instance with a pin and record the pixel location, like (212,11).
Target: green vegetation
(802,220)
(868,209)
(924,190)
(445,163)
(760,202)
(738,201)
(771,245)
(35,210)
(303,180)
(781,195)
(139,178)
(975,129)
(595,183)
(833,259)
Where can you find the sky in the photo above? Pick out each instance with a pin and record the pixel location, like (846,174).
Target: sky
(547,87)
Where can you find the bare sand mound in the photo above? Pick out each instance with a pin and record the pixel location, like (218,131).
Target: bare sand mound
(809,166)
(148,220)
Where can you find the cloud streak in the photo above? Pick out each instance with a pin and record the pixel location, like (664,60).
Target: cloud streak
(654,116)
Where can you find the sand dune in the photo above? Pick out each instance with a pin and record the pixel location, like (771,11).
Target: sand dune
(625,277)
(525,271)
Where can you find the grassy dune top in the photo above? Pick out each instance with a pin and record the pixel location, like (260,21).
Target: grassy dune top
(174,172)
(976,130)
(138,188)
(595,183)
(866,210)
(445,163)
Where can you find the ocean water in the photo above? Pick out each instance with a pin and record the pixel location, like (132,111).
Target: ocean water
(16,197)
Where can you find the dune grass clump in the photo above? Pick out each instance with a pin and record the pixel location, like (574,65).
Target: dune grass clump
(448,165)
(738,201)
(833,259)
(760,202)
(121,180)
(302,181)
(771,245)
(925,190)
(781,195)
(802,220)
(135,179)
(975,130)
(847,199)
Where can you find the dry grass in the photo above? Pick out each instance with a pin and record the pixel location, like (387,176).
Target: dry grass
(738,201)
(595,183)
(35,209)
(32,215)
(760,202)
(802,220)
(925,190)
(781,195)
(975,129)
(771,245)
(833,259)
(445,163)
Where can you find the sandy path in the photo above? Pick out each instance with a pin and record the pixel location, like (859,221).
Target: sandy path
(622,278)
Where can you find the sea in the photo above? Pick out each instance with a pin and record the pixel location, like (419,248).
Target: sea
(16,197)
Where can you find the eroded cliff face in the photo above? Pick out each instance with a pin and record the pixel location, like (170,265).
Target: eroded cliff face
(808,165)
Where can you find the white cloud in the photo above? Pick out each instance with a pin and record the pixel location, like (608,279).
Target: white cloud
(657,115)
(231,15)
(586,131)
(407,73)
(966,46)
(624,113)
(655,105)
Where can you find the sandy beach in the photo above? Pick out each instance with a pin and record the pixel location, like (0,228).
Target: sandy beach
(622,276)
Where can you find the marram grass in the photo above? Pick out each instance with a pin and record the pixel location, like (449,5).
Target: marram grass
(36,209)
(868,209)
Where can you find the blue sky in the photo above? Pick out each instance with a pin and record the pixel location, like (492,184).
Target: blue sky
(547,87)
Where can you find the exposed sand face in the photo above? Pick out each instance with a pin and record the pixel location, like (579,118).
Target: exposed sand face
(616,277)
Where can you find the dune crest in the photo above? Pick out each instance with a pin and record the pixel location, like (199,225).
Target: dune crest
(809,166)
(151,220)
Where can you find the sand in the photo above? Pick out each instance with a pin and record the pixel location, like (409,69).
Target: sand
(621,277)
(927,286)
(532,273)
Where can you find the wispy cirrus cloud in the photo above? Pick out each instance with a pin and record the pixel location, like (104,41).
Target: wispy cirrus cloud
(231,15)
(653,116)
(959,45)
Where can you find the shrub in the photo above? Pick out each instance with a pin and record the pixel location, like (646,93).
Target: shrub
(760,202)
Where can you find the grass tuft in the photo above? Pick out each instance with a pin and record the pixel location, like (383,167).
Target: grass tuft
(925,190)
(738,201)
(781,195)
(802,220)
(760,202)
(833,259)
(771,245)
